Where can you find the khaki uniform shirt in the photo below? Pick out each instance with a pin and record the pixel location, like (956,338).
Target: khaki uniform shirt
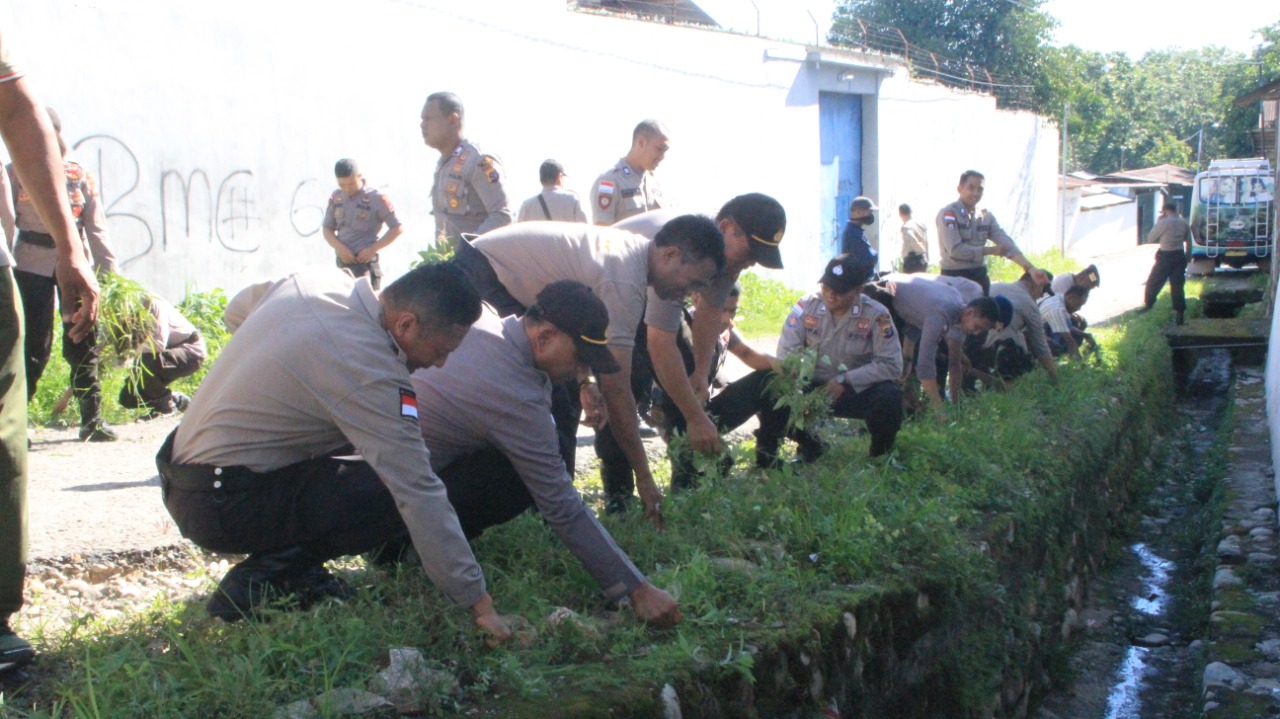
(613,263)
(565,206)
(863,340)
(358,220)
(1027,327)
(1171,232)
(621,192)
(85,208)
(915,239)
(931,305)
(468,195)
(962,235)
(669,314)
(490,394)
(311,370)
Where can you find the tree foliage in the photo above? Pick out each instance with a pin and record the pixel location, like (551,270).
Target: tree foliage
(1170,106)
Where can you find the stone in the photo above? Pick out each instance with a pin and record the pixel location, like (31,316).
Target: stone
(1218,674)
(670,703)
(733,564)
(1155,639)
(1229,549)
(300,709)
(851,625)
(1261,558)
(347,702)
(1269,648)
(1225,577)
(1261,532)
(1267,670)
(411,684)
(1265,687)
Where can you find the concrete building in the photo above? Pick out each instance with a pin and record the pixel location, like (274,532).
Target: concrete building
(213,128)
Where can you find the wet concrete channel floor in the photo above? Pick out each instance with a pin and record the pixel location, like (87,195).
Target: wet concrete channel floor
(1153,618)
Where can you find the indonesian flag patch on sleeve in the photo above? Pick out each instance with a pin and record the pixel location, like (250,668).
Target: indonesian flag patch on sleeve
(408,404)
(949,219)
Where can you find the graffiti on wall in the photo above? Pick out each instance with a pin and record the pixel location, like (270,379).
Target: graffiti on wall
(187,205)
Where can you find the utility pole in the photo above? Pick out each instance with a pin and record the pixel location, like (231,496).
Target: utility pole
(1199,146)
(1062,183)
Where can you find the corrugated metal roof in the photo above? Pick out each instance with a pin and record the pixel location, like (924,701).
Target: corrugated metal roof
(1167,174)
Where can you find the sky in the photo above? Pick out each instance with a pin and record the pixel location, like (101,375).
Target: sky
(1136,26)
(1130,26)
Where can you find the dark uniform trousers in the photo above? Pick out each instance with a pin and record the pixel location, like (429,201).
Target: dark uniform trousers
(880,405)
(318,509)
(1005,359)
(730,409)
(1171,266)
(485,491)
(13,449)
(360,269)
(38,294)
(149,385)
(977,274)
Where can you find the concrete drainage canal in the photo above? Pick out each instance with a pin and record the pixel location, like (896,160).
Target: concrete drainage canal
(1147,632)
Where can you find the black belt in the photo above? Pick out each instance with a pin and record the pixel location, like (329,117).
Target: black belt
(39,239)
(201,477)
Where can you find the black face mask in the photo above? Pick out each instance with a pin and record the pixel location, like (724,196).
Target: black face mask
(866,221)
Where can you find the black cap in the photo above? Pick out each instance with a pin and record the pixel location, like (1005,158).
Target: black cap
(1095,279)
(549,171)
(862,203)
(846,272)
(763,221)
(1006,311)
(575,310)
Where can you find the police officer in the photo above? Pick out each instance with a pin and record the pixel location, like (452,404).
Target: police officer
(859,361)
(1025,332)
(915,242)
(495,447)
(854,241)
(1173,235)
(355,214)
(753,225)
(510,266)
(629,187)
(935,310)
(169,348)
(261,465)
(554,203)
(963,233)
(35,256)
(37,159)
(467,194)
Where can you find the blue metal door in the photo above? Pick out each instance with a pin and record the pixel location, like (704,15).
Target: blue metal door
(840,137)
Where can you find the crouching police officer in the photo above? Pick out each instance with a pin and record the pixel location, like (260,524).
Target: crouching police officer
(260,463)
(859,361)
(486,419)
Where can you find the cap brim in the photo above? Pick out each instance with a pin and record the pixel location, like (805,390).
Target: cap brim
(598,358)
(766,255)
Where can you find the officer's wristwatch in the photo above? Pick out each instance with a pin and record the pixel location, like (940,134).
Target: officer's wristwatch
(840,378)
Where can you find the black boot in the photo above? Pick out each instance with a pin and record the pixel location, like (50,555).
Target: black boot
(294,575)
(14,650)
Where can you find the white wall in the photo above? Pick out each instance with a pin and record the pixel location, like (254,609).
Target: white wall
(1103,230)
(930,134)
(250,103)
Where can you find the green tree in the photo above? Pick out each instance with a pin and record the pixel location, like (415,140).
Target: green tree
(1007,38)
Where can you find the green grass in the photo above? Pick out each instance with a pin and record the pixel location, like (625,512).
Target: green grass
(969,515)
(120,311)
(764,305)
(1002,270)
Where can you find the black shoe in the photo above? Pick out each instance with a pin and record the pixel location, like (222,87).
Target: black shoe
(292,576)
(14,650)
(97,431)
(1178,319)
(181,401)
(616,505)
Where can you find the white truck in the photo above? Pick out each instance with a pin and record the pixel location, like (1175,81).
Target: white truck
(1233,212)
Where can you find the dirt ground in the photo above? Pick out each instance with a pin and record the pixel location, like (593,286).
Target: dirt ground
(87,498)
